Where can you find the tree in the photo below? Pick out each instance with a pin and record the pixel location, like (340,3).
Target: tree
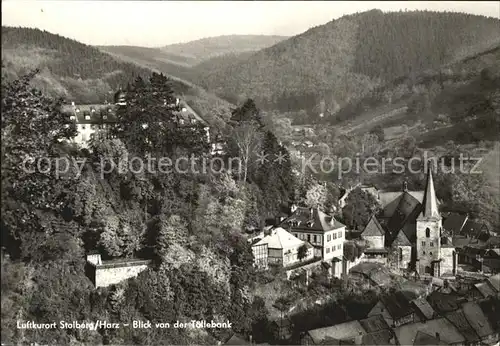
(360,206)
(302,252)
(149,125)
(247,137)
(32,128)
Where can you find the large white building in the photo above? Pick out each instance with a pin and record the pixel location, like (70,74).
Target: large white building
(323,231)
(282,249)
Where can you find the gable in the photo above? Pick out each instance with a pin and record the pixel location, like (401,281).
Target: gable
(373,228)
(401,239)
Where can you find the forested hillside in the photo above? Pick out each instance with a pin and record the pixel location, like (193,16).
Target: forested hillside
(206,48)
(190,224)
(83,73)
(334,63)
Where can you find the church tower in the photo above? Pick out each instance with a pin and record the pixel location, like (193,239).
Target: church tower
(429,226)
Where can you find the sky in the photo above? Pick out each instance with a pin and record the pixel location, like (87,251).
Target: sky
(159,23)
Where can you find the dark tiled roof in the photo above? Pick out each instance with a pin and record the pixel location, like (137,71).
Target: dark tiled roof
(454,223)
(472,228)
(460,241)
(423,308)
(460,322)
(425,339)
(397,305)
(381,337)
(315,221)
(373,228)
(477,319)
(406,211)
(444,303)
(374,323)
(236,340)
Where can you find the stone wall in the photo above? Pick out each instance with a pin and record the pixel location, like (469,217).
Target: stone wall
(111,274)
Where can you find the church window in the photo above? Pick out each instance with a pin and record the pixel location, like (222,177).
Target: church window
(423,243)
(431,243)
(400,254)
(427,233)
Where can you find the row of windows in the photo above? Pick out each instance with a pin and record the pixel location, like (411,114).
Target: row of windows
(335,247)
(431,243)
(335,236)
(93,126)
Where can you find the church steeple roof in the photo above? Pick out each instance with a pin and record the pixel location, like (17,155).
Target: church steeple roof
(429,203)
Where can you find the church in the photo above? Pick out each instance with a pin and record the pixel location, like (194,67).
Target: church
(410,226)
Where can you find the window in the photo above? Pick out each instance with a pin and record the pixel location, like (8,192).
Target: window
(431,243)
(333,248)
(423,252)
(87,117)
(105,117)
(400,254)
(430,253)
(309,238)
(314,239)
(340,234)
(328,238)
(327,250)
(334,235)
(84,127)
(427,233)
(423,243)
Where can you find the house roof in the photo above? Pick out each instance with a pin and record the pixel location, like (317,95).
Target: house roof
(343,331)
(373,228)
(471,227)
(477,319)
(454,223)
(374,323)
(485,289)
(91,114)
(460,241)
(460,321)
(425,339)
(495,282)
(387,197)
(423,308)
(311,219)
(397,305)
(443,303)
(236,340)
(448,333)
(380,337)
(280,239)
